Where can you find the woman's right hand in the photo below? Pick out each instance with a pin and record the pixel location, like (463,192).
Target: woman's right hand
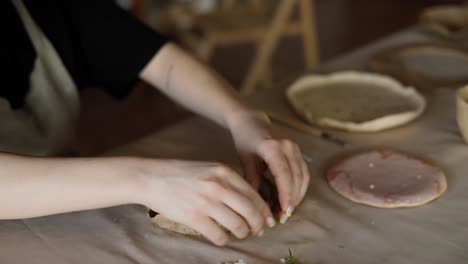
(208,197)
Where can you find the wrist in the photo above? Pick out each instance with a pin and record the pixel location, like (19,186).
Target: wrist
(234,118)
(230,114)
(135,180)
(250,120)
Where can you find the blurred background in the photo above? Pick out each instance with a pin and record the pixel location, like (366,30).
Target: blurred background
(230,36)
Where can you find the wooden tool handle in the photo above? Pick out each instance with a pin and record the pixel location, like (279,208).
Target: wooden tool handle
(291,122)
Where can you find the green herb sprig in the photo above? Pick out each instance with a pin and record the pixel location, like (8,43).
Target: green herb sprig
(290,259)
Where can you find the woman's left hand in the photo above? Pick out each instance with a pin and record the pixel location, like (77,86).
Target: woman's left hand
(260,150)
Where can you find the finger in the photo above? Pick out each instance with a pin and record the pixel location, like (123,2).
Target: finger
(305,184)
(257,200)
(209,229)
(279,167)
(294,158)
(230,220)
(243,199)
(245,208)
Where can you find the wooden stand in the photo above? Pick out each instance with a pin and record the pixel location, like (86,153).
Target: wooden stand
(233,22)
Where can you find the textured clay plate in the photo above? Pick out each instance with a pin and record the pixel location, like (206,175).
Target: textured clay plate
(354,101)
(386,178)
(425,66)
(462,111)
(448,21)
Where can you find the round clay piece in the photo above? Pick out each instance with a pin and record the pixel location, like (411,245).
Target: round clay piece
(355,101)
(167,224)
(387,179)
(462,111)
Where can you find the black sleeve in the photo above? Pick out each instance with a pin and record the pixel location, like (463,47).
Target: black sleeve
(114,46)
(18,55)
(109,46)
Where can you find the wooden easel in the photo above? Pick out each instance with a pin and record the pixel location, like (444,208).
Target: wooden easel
(241,21)
(273,35)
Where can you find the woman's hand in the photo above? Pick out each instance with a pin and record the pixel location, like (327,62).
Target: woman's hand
(192,84)
(208,197)
(259,150)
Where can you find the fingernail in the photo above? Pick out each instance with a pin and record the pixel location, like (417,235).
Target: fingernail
(284,218)
(271,222)
(289,211)
(260,233)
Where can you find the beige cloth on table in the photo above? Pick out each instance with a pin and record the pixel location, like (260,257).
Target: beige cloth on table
(45,125)
(326,228)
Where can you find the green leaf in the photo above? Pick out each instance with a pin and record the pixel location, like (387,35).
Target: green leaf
(291,259)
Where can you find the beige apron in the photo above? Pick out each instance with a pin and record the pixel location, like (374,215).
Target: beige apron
(45,125)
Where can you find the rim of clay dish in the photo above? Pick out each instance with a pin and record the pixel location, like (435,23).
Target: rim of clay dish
(463,93)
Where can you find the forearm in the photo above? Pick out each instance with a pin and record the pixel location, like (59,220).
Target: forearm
(192,84)
(31,187)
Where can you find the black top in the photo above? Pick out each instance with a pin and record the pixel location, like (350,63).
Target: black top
(99,43)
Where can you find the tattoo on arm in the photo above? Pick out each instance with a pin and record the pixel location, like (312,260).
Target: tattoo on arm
(168,77)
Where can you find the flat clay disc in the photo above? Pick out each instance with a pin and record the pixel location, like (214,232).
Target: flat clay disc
(268,192)
(387,179)
(450,21)
(165,223)
(354,101)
